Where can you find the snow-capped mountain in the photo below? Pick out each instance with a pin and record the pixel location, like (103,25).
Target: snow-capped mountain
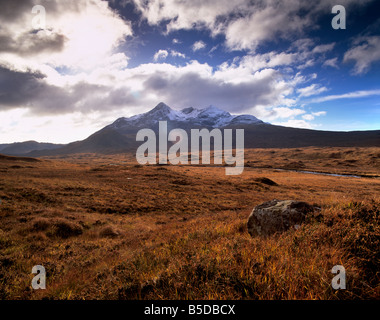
(208,117)
(120,136)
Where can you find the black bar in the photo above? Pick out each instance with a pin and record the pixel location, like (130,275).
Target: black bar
(194,309)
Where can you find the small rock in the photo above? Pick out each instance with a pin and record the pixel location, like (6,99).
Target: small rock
(277,216)
(266,181)
(109,232)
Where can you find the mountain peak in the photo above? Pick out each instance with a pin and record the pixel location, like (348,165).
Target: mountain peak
(162,107)
(210,116)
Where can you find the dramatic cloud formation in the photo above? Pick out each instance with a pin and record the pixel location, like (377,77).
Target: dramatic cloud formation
(78,34)
(237,87)
(98,60)
(245,24)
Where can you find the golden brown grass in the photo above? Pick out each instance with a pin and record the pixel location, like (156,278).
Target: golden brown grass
(106,228)
(364,161)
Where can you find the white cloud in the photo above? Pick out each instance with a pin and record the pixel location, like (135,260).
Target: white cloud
(245,24)
(198,45)
(308,53)
(284,112)
(331,63)
(269,113)
(310,117)
(160,55)
(187,14)
(295,123)
(79,35)
(175,53)
(311,90)
(213,49)
(324,48)
(163,54)
(243,69)
(319,113)
(350,95)
(19,125)
(365,52)
(264,23)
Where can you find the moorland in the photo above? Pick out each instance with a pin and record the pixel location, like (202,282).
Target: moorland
(105,227)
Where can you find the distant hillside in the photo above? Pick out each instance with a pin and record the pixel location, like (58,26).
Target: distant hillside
(22,148)
(105,141)
(4,145)
(270,136)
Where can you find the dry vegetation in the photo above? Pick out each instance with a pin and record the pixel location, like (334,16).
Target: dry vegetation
(106,228)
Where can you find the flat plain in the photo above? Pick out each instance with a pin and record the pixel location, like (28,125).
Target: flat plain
(105,227)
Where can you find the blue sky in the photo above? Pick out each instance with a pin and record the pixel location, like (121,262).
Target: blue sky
(94,61)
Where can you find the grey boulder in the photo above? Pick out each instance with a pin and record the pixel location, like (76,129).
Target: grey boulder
(277,216)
